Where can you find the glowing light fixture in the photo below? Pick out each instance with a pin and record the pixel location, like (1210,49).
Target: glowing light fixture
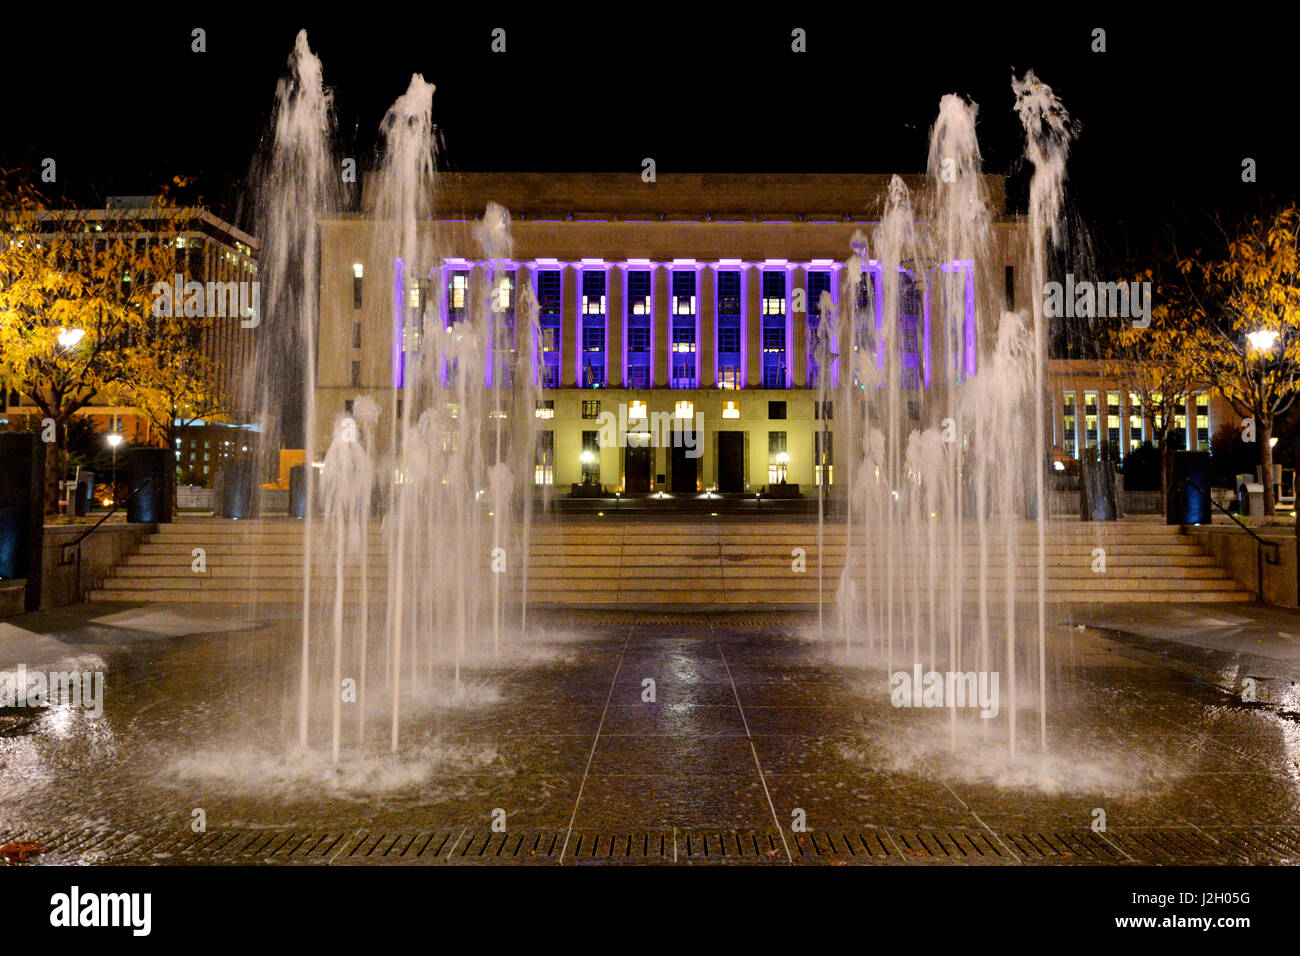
(1263,340)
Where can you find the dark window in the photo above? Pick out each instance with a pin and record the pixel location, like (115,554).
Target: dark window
(356,374)
(356,335)
(818,282)
(728,340)
(548,292)
(638,340)
(774,286)
(356,292)
(1011,287)
(776,409)
(823,410)
(347,405)
(729,293)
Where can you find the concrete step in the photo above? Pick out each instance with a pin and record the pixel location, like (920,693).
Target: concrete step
(649,563)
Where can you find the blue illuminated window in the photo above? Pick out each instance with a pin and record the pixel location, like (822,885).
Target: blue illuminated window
(549,308)
(638,318)
(818,282)
(683,303)
(593,328)
(773,329)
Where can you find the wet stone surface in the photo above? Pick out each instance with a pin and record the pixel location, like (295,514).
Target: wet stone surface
(761,745)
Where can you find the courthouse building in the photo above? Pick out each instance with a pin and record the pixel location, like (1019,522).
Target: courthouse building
(696,295)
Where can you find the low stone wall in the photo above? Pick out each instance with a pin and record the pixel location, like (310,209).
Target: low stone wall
(271,501)
(12,598)
(1238,553)
(101,551)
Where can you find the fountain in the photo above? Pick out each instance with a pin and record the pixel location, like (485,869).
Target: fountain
(423,503)
(941,414)
(419,485)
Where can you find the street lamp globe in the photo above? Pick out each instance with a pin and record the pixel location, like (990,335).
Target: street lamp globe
(1262,340)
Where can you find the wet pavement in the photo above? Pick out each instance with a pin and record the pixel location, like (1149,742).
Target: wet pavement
(759,744)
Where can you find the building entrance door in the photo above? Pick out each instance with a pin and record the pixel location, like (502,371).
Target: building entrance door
(683,471)
(731,462)
(638,466)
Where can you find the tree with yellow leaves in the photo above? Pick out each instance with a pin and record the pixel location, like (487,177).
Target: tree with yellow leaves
(1157,362)
(77,322)
(1246,303)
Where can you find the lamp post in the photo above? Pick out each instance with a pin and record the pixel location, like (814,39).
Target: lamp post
(114,439)
(1263,342)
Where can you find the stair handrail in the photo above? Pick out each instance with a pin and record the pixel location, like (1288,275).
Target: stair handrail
(1275,557)
(76,542)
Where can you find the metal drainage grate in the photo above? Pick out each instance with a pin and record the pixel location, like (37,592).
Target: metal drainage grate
(1156,845)
(1081,846)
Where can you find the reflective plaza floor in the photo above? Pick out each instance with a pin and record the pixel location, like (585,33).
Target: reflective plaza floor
(761,745)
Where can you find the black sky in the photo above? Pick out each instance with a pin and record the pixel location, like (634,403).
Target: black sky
(1166,114)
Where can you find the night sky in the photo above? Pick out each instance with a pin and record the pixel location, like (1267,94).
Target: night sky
(1166,114)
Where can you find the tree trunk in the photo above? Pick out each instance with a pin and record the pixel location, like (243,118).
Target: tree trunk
(1168,493)
(53,474)
(1266,459)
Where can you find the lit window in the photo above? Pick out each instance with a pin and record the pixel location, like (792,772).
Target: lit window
(1090,419)
(1136,422)
(685,410)
(729,410)
(503,294)
(545,408)
(1070,419)
(778,460)
(544,462)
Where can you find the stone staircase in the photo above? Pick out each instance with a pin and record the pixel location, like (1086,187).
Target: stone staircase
(694,564)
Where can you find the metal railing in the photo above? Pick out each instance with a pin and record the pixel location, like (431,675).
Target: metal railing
(1275,555)
(68,557)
